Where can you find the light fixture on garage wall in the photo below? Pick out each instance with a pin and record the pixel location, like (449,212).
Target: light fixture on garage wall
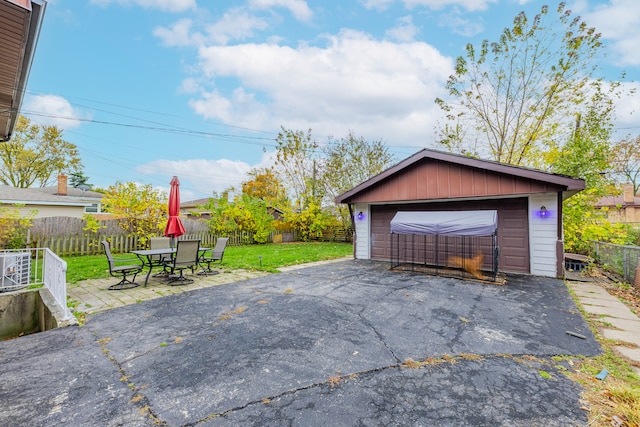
(543,212)
(360,216)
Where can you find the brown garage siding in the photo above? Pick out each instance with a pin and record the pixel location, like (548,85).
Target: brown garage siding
(432,179)
(513,228)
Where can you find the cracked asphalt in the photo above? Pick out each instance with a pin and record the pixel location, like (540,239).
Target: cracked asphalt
(345,344)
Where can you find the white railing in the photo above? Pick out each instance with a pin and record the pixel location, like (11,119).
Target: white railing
(21,268)
(55,279)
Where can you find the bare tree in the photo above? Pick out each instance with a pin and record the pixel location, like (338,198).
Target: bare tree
(512,97)
(626,161)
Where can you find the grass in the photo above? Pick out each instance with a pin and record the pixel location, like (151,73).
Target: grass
(616,399)
(267,257)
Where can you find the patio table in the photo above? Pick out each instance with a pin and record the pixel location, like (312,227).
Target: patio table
(146,257)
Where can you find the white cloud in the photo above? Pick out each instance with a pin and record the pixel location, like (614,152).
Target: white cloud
(201,175)
(52,110)
(235,24)
(380,5)
(349,84)
(298,8)
(459,25)
(470,5)
(405,31)
(628,109)
(619,21)
(179,34)
(168,5)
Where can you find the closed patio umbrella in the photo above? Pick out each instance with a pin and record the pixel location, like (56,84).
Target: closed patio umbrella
(174,226)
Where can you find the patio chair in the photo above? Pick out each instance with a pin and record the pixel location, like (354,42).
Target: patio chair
(216,255)
(186,257)
(121,270)
(159,260)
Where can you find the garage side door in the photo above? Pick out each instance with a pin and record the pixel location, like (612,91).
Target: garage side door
(513,228)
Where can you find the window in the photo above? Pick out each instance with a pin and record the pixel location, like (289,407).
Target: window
(94,208)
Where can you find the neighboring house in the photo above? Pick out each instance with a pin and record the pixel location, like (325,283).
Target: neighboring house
(624,208)
(20,23)
(93,199)
(191,209)
(59,200)
(528,204)
(47,205)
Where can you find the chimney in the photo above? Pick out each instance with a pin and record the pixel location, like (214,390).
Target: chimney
(628,196)
(62,184)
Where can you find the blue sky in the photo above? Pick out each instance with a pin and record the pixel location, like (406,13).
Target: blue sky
(148,89)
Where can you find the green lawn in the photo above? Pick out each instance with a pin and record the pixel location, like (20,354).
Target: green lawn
(268,257)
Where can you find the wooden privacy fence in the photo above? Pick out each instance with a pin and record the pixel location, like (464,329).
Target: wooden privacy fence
(89,244)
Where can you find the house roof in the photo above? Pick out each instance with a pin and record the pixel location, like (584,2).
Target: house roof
(194,203)
(31,196)
(562,182)
(72,192)
(20,23)
(616,201)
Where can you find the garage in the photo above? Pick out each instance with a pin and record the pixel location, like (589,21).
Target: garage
(528,202)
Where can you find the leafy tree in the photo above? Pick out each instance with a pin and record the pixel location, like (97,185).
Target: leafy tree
(14,226)
(245,213)
(297,164)
(265,185)
(311,220)
(516,94)
(626,161)
(140,210)
(587,154)
(351,161)
(35,154)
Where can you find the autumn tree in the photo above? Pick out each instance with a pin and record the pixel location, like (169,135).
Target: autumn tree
(625,160)
(510,98)
(246,213)
(265,185)
(587,154)
(140,210)
(349,162)
(35,154)
(297,164)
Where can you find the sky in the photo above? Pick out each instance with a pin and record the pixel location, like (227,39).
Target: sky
(199,89)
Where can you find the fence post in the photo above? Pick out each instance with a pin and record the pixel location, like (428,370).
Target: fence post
(625,267)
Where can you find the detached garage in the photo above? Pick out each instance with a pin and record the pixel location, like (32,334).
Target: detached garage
(528,204)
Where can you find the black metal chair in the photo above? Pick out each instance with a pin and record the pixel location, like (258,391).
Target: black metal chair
(216,255)
(121,270)
(186,257)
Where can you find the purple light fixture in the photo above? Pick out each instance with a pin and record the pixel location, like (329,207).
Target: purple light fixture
(543,212)
(360,216)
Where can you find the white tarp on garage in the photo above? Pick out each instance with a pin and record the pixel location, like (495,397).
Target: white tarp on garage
(452,223)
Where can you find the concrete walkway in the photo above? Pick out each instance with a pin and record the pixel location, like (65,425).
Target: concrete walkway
(93,296)
(618,321)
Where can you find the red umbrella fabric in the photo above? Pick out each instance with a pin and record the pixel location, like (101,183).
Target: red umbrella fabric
(174,226)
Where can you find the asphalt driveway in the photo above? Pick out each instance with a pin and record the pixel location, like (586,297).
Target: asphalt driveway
(348,343)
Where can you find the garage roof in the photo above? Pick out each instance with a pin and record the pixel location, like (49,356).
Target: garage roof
(471,177)
(20,23)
